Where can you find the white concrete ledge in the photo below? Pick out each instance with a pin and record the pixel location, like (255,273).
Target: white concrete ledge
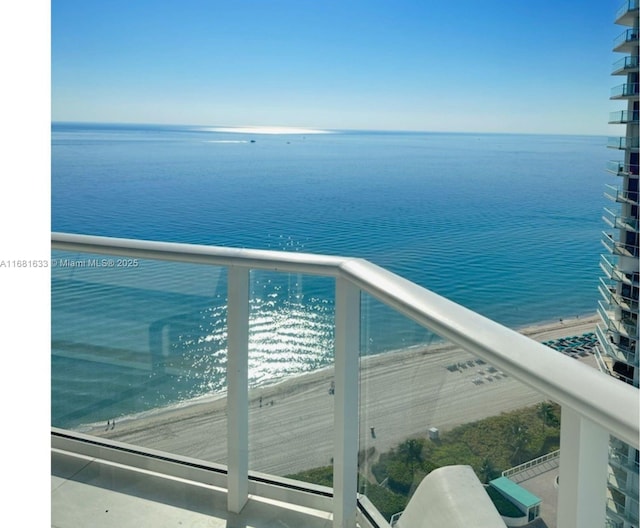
(450,497)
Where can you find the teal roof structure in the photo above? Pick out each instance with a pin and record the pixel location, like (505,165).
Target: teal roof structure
(512,491)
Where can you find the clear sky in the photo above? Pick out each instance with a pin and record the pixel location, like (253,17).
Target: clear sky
(538,66)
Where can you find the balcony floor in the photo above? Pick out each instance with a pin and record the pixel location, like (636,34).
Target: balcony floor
(86,491)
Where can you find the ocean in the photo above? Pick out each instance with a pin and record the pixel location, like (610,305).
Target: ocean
(506,225)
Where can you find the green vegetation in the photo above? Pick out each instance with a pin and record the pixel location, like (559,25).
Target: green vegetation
(322,476)
(489,446)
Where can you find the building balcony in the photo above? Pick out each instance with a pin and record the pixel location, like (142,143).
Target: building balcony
(150,321)
(619,195)
(619,168)
(619,456)
(616,351)
(622,511)
(626,327)
(618,248)
(625,65)
(623,143)
(626,41)
(628,223)
(612,297)
(613,272)
(623,117)
(624,91)
(627,14)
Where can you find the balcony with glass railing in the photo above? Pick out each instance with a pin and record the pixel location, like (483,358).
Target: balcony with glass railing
(609,265)
(619,195)
(253,387)
(616,221)
(619,168)
(624,91)
(627,13)
(623,143)
(625,326)
(616,350)
(623,511)
(618,248)
(619,455)
(610,294)
(625,65)
(626,40)
(623,116)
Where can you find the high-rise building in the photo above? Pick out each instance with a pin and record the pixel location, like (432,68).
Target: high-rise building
(618,351)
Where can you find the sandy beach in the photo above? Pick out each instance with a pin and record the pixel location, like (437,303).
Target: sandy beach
(402,393)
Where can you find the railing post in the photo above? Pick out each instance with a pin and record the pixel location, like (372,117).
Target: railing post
(237,388)
(345,460)
(584,448)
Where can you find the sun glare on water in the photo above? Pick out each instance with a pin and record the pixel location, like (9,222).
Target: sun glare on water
(267,130)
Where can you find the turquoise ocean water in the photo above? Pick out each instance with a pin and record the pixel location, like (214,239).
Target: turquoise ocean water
(507,225)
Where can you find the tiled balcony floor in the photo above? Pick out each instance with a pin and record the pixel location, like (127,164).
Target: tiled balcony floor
(86,492)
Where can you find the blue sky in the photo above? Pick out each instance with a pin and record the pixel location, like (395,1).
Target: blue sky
(494,66)
(489,66)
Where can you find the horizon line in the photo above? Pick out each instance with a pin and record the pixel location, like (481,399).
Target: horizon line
(301,130)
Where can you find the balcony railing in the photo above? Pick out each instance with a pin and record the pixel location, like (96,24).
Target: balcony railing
(623,143)
(611,270)
(627,12)
(594,405)
(623,116)
(625,64)
(624,90)
(626,326)
(618,167)
(619,456)
(609,294)
(615,351)
(628,513)
(619,248)
(628,36)
(619,195)
(629,223)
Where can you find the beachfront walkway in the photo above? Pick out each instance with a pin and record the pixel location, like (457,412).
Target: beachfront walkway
(403,394)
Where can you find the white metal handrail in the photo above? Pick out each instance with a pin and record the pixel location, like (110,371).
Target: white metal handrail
(583,388)
(594,405)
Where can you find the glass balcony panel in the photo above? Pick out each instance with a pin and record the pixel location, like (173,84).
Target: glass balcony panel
(627,36)
(425,403)
(614,166)
(623,116)
(626,63)
(625,12)
(291,354)
(617,194)
(625,90)
(138,352)
(618,167)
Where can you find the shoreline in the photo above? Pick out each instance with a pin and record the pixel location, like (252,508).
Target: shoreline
(403,393)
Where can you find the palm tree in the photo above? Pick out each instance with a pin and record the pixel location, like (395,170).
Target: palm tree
(545,412)
(411,452)
(487,471)
(519,439)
